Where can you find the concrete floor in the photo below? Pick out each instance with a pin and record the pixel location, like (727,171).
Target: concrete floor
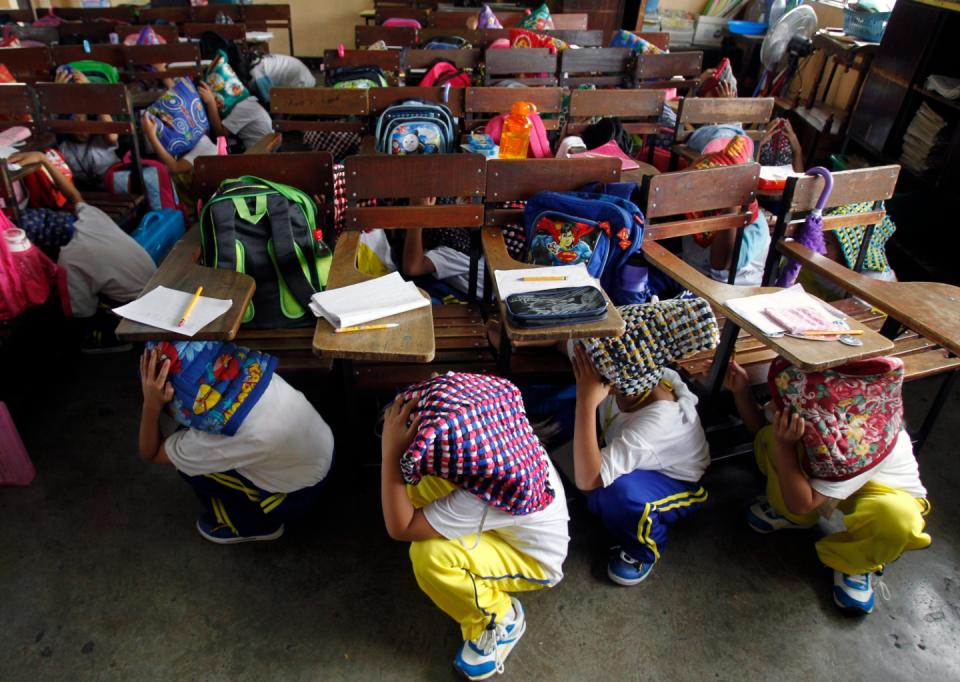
(103,576)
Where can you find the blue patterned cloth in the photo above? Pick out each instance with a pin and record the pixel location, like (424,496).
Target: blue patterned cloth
(49,230)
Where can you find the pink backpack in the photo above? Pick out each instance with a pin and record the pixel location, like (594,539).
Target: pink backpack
(159,191)
(444,72)
(400,21)
(15,465)
(539,144)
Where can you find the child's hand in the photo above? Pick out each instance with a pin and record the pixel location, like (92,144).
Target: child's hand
(27,158)
(424,201)
(736,380)
(725,89)
(157,391)
(149,125)
(590,387)
(788,428)
(397,435)
(206,94)
(62,76)
(79,76)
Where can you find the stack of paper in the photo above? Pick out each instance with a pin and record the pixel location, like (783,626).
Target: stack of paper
(164,308)
(943,85)
(367,301)
(926,142)
(755,309)
(512,281)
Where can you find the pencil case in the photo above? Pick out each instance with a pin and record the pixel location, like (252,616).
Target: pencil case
(557,307)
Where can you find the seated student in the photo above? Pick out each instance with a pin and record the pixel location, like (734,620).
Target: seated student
(443,253)
(88,156)
(646,475)
(180,168)
(248,121)
(485,516)
(837,441)
(99,261)
(278,71)
(711,252)
(253,448)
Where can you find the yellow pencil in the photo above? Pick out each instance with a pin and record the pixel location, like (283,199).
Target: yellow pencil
(193,302)
(830,332)
(545,278)
(365,328)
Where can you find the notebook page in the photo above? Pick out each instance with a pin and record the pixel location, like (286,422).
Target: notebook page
(163,308)
(367,301)
(511,281)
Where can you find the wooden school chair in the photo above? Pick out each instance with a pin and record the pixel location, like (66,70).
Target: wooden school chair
(92,31)
(638,110)
(395,37)
(599,66)
(91,14)
(660,39)
(749,112)
(513,181)
(166,15)
(449,336)
(680,70)
(58,100)
(18,107)
(22,16)
(475,38)
(269,18)
(382,14)
(388,60)
(28,64)
(457,19)
(571,22)
(530,66)
(381,98)
(482,104)
(580,38)
(107,53)
(234,32)
(311,172)
(208,14)
(180,59)
(319,109)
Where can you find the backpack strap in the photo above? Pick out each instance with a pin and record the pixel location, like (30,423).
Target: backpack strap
(285,251)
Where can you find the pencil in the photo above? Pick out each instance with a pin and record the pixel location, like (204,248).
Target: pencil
(832,332)
(365,328)
(193,302)
(545,278)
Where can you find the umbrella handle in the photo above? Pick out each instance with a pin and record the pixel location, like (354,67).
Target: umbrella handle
(827,185)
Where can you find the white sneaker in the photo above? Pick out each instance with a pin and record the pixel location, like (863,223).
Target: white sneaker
(763,518)
(481,658)
(853,592)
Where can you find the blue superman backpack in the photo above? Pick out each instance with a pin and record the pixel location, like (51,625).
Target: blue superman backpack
(600,228)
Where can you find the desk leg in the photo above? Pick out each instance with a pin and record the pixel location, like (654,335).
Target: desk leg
(721,359)
(503,357)
(939,400)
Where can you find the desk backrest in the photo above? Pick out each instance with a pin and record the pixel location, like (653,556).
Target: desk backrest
(856,186)
(481,104)
(381,14)
(17,101)
(28,64)
(311,172)
(700,110)
(262,17)
(299,108)
(660,39)
(90,14)
(415,177)
(639,110)
(388,60)
(601,66)
(571,21)
(94,31)
(227,31)
(56,100)
(208,14)
(16,15)
(109,54)
(456,19)
(394,36)
(660,70)
(168,33)
(171,15)
(532,66)
(421,59)
(381,98)
(579,37)
(475,38)
(147,55)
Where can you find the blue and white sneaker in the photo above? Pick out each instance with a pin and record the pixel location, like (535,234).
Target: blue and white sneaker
(853,592)
(481,658)
(623,569)
(763,518)
(223,534)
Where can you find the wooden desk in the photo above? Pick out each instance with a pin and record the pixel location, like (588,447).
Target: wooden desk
(638,174)
(412,341)
(495,252)
(807,355)
(180,270)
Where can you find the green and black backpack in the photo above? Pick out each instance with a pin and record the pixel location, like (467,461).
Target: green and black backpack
(268,231)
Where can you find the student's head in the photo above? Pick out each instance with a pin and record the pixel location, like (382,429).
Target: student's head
(853,413)
(656,335)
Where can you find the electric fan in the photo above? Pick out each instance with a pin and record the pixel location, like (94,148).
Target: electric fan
(790,39)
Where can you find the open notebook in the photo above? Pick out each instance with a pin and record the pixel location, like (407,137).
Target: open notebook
(792,310)
(367,301)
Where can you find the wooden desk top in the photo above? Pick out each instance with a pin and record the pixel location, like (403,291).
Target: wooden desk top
(412,341)
(807,355)
(180,270)
(495,252)
(638,174)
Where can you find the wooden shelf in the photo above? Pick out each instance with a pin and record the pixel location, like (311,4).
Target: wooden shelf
(929,94)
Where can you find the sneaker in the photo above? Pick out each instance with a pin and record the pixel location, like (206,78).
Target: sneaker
(763,518)
(853,592)
(481,658)
(100,342)
(623,569)
(222,534)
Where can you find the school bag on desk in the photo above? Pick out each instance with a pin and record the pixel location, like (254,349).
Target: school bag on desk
(160,192)
(357,77)
(269,231)
(416,127)
(602,229)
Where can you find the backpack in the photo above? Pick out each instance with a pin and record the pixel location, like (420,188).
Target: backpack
(159,231)
(539,143)
(121,178)
(40,186)
(445,72)
(95,71)
(267,230)
(416,127)
(602,230)
(447,43)
(357,77)
(181,117)
(402,21)
(609,129)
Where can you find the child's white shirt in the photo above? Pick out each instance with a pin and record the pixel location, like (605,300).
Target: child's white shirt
(664,436)
(102,259)
(204,147)
(283,445)
(283,71)
(541,535)
(453,267)
(249,121)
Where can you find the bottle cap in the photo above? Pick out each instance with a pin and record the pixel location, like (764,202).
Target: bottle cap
(521,108)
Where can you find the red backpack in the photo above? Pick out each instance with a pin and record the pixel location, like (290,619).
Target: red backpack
(445,72)
(40,186)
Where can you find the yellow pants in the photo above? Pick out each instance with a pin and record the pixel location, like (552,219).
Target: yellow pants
(470,584)
(882,522)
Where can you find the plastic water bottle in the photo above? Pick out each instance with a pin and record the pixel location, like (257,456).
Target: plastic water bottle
(515,138)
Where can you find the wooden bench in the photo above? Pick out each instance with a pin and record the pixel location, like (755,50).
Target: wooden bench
(320,109)
(658,71)
(395,37)
(639,110)
(600,66)
(693,111)
(387,60)
(531,66)
(482,104)
(28,64)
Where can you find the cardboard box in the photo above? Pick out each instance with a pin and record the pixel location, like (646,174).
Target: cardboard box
(708,31)
(680,37)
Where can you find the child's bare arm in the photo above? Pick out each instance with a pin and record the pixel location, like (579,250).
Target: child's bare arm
(172,164)
(737,381)
(213,112)
(403,521)
(721,250)
(415,262)
(798,494)
(59,179)
(591,391)
(157,392)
